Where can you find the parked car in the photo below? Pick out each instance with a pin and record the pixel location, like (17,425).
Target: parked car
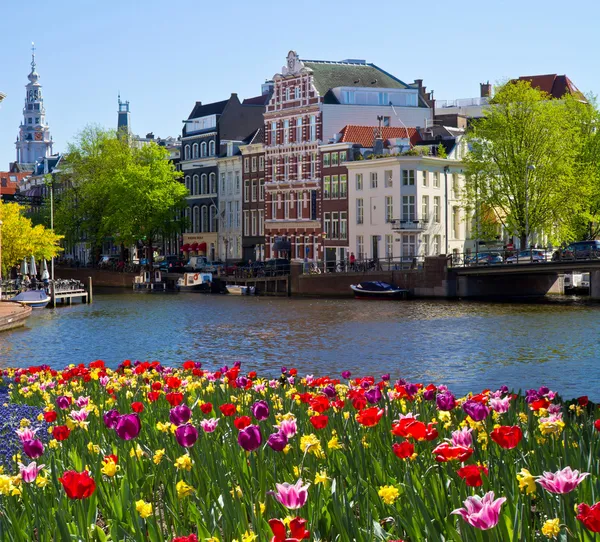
(171,264)
(201,263)
(107,261)
(527,256)
(484,258)
(581,250)
(277,266)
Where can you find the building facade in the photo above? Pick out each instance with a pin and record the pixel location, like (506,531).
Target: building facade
(312,101)
(253,199)
(230,204)
(208,132)
(34,142)
(402,207)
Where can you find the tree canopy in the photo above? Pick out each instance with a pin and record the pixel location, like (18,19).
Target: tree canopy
(113,189)
(21,239)
(524,160)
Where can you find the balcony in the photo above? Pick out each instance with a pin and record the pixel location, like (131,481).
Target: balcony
(464,102)
(409,225)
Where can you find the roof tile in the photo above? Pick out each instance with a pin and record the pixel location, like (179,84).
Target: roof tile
(365,135)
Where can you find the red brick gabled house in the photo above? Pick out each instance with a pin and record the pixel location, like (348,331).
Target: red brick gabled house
(555,85)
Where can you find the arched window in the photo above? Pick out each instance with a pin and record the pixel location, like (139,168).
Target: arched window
(204,187)
(211,148)
(203,149)
(196,224)
(204,214)
(213,218)
(195,186)
(187,183)
(213,184)
(195,150)
(186,152)
(188,222)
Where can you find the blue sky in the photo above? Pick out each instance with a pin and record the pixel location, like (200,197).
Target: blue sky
(163,56)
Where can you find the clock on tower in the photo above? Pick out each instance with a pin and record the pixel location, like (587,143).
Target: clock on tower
(39,136)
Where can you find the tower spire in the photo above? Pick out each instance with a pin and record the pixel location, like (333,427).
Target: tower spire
(32,56)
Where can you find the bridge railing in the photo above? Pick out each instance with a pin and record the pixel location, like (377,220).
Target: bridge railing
(365,266)
(516,257)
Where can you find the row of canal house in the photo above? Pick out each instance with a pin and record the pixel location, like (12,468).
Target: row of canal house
(315,168)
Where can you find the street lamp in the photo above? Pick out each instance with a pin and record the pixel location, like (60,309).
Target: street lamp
(530,167)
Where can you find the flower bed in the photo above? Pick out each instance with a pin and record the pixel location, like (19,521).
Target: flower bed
(147,452)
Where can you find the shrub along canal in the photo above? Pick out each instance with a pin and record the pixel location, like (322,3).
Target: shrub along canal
(465,345)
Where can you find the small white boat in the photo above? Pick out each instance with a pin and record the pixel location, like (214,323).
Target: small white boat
(36,299)
(236,289)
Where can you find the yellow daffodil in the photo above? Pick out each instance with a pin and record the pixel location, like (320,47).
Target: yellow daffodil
(321,478)
(551,528)
(144,508)
(183,490)
(388,494)
(184,462)
(312,445)
(526,481)
(158,455)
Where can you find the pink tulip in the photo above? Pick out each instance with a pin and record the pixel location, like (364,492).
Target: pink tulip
(500,405)
(26,434)
(292,496)
(79,415)
(82,401)
(210,425)
(29,473)
(287,428)
(462,437)
(562,481)
(481,512)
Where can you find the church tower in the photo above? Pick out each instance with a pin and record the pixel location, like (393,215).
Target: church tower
(34,141)
(123,120)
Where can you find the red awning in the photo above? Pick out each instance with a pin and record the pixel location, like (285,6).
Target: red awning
(194,246)
(202,247)
(185,248)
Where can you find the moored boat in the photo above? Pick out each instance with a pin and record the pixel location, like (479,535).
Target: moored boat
(236,289)
(13,315)
(378,290)
(36,299)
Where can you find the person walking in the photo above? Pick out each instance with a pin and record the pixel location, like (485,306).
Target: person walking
(352,261)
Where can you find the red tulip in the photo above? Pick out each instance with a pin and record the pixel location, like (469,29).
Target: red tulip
(173,382)
(590,516)
(227,409)
(319,422)
(583,400)
(297,530)
(206,408)
(174,398)
(369,417)
(242,422)
(404,449)
(78,485)
(471,474)
(137,407)
(597,425)
(61,432)
(319,404)
(153,396)
(409,428)
(446,452)
(540,403)
(506,436)
(189,538)
(50,416)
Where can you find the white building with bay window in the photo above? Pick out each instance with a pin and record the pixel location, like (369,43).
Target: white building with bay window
(230,203)
(402,207)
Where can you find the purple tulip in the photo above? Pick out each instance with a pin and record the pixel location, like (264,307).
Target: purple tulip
(429,395)
(531,396)
(63,402)
(373,395)
(385,377)
(260,410)
(111,418)
(544,390)
(445,401)
(33,448)
(476,410)
(284,369)
(411,389)
(241,382)
(329,391)
(128,426)
(346,374)
(186,435)
(250,438)
(277,441)
(180,414)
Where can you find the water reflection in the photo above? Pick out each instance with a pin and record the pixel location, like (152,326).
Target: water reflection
(463,344)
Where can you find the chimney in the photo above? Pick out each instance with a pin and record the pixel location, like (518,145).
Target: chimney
(485,90)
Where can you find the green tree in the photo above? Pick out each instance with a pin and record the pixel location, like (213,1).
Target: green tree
(111,189)
(21,239)
(522,163)
(586,120)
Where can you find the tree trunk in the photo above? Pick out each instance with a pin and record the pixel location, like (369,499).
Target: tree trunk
(150,260)
(524,241)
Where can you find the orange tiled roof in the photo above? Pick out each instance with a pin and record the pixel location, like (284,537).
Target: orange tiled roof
(9,182)
(555,85)
(364,135)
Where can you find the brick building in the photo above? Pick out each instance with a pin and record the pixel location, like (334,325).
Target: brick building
(312,100)
(253,202)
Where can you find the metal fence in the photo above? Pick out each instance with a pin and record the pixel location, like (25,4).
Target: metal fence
(517,257)
(401,263)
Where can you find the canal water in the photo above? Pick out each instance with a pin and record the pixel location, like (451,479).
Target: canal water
(466,345)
